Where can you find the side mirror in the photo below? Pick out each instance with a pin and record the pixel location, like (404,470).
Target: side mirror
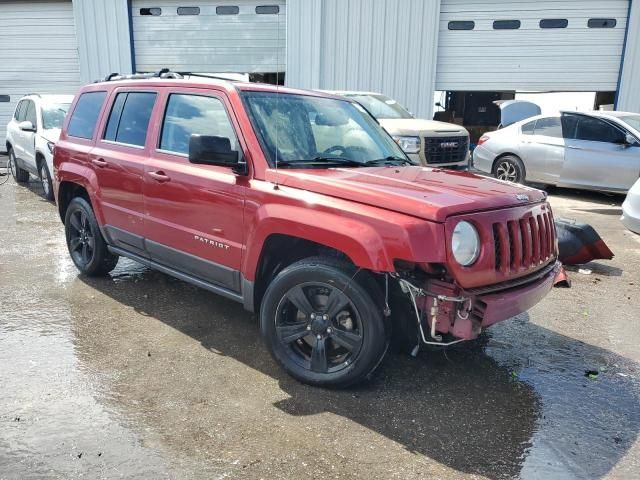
(212,150)
(630,140)
(26,126)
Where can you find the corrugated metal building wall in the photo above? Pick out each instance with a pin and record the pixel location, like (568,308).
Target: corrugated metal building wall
(381,45)
(392,46)
(38,53)
(629,88)
(377,45)
(104,40)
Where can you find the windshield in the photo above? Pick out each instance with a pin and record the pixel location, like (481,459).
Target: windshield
(632,120)
(309,130)
(53,115)
(381,106)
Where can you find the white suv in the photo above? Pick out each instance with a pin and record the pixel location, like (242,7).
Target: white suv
(31,135)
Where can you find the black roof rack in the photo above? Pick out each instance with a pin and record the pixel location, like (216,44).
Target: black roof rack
(206,75)
(163,73)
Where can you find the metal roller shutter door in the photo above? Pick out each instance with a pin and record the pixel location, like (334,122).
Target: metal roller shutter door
(575,58)
(39,53)
(245,42)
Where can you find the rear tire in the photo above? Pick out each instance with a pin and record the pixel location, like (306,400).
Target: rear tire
(322,322)
(45,180)
(509,168)
(21,175)
(86,244)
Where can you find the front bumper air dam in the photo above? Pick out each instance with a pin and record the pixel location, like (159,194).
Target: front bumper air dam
(463,314)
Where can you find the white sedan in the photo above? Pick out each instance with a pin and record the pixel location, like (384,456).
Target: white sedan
(631,209)
(593,151)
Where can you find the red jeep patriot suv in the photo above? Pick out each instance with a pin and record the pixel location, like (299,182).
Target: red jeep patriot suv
(300,206)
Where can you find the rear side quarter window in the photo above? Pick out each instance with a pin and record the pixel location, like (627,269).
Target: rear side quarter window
(84,118)
(527,128)
(549,127)
(20,111)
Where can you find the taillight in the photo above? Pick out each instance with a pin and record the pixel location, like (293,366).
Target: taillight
(483,139)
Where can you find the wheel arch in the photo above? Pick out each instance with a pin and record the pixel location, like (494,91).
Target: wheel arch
(39,159)
(281,250)
(67,191)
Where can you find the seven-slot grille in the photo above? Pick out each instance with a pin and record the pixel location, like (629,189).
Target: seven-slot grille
(446,149)
(525,243)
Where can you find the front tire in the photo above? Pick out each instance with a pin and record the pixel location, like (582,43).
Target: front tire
(509,168)
(322,322)
(87,247)
(21,175)
(45,180)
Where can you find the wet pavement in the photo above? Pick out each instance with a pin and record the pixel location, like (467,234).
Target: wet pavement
(138,375)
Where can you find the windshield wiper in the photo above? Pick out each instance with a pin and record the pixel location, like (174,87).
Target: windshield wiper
(340,160)
(390,160)
(319,160)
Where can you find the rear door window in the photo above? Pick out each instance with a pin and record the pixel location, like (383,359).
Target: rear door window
(549,127)
(129,118)
(595,130)
(85,115)
(194,114)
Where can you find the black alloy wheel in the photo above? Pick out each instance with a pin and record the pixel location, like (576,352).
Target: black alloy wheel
(320,326)
(85,242)
(82,242)
(323,323)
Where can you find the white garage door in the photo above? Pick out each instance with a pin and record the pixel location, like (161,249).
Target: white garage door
(563,45)
(241,36)
(38,53)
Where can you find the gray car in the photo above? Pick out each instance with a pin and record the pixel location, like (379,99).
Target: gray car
(593,151)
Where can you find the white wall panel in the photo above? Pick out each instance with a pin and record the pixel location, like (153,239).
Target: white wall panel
(629,92)
(576,58)
(387,46)
(104,44)
(38,54)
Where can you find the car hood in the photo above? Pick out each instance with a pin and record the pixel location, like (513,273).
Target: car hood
(416,126)
(51,134)
(431,194)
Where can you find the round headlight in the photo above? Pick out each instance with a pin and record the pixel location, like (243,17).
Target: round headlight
(465,244)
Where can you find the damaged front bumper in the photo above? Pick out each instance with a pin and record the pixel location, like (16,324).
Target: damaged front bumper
(444,308)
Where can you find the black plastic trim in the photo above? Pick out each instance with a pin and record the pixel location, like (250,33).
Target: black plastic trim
(180,275)
(198,267)
(122,238)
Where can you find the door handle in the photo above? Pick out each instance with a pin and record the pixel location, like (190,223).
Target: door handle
(99,162)
(159,176)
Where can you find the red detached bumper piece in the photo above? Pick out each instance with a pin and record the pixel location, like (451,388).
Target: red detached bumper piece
(579,243)
(481,308)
